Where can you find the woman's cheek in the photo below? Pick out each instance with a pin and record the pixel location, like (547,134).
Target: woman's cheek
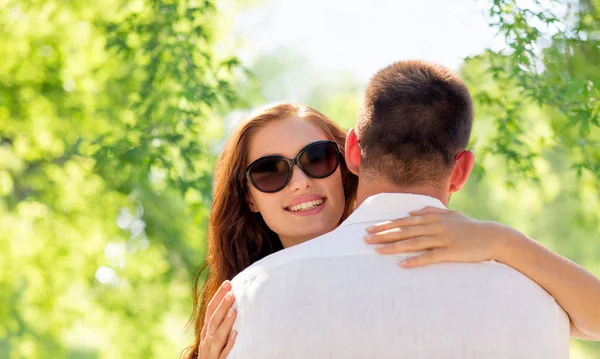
(271,212)
(337,191)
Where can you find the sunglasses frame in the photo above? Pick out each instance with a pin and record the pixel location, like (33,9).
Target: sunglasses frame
(295,161)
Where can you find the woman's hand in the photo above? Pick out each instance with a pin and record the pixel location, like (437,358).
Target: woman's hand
(216,337)
(448,236)
(444,235)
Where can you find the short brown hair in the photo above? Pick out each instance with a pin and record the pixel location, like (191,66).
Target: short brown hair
(414,118)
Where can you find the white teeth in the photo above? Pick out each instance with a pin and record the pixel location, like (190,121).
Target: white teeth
(306,206)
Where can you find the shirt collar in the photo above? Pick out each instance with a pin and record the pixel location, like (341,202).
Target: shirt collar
(388,206)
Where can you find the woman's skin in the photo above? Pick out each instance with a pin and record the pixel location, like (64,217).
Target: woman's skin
(289,136)
(444,236)
(448,236)
(222,316)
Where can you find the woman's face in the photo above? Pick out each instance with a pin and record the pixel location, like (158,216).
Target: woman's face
(282,210)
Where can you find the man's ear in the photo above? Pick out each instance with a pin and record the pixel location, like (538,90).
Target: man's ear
(352,150)
(462,170)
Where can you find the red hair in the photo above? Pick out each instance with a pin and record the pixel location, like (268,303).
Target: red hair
(238,237)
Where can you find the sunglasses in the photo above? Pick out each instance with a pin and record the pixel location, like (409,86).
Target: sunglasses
(273,173)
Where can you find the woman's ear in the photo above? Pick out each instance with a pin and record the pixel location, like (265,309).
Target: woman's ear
(352,155)
(251,203)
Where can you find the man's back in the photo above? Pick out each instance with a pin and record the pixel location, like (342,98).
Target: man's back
(335,297)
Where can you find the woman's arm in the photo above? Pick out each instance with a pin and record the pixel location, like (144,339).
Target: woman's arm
(574,288)
(449,236)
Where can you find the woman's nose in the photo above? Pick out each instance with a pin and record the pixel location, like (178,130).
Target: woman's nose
(299,180)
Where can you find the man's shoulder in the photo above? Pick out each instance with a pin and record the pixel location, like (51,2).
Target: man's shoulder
(317,247)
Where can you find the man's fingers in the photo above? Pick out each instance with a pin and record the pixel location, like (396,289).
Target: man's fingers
(429,257)
(230,342)
(410,245)
(214,302)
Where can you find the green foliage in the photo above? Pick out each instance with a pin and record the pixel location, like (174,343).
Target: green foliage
(552,62)
(537,128)
(275,77)
(106,114)
(110,121)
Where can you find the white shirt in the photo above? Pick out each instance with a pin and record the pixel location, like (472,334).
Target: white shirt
(335,297)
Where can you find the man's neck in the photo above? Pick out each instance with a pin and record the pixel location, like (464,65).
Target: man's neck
(369,187)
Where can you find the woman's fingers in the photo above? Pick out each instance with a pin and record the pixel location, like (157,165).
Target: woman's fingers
(410,245)
(401,234)
(214,302)
(430,210)
(209,340)
(229,345)
(217,318)
(404,223)
(222,334)
(429,257)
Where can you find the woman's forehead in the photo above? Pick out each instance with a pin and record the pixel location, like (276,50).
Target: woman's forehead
(284,138)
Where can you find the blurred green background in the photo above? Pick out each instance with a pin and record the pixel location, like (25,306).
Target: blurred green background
(112,114)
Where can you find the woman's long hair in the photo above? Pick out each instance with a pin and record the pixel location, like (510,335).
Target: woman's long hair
(238,237)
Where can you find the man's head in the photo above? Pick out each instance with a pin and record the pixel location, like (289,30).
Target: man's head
(414,120)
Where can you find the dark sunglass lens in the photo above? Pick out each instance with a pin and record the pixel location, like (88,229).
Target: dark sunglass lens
(270,174)
(320,160)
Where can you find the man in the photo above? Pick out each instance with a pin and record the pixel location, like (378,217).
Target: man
(335,297)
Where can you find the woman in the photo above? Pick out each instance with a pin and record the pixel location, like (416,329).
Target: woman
(258,209)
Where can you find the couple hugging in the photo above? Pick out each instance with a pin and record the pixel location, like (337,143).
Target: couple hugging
(326,244)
